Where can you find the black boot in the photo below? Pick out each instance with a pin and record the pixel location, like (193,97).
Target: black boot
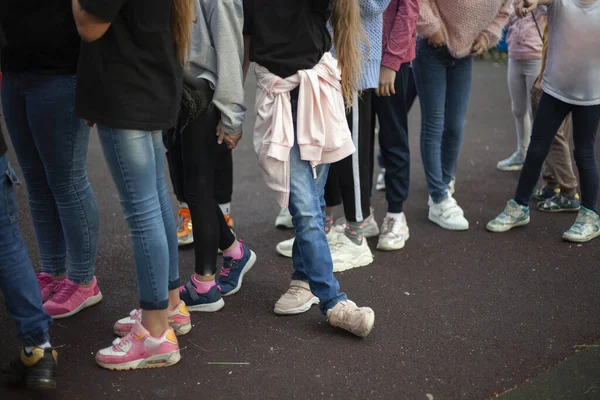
(36,370)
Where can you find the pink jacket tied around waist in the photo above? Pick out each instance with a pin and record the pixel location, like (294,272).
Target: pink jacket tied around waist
(322,130)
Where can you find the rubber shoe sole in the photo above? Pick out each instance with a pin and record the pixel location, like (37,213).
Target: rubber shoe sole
(436,220)
(91,301)
(298,310)
(506,228)
(362,261)
(211,307)
(580,240)
(247,268)
(157,361)
(510,168)
(387,247)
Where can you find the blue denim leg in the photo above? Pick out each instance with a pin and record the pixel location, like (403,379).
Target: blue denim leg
(17,280)
(444,84)
(51,143)
(133,159)
(311,257)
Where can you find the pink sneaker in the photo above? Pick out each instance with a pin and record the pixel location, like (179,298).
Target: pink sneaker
(139,350)
(70,298)
(47,285)
(179,321)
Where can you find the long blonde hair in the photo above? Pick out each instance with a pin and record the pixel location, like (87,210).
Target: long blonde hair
(182,16)
(348,35)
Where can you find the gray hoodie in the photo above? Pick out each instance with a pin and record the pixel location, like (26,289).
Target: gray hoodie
(217,53)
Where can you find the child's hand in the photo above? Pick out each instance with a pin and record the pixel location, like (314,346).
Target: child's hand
(524,7)
(437,40)
(479,45)
(387,80)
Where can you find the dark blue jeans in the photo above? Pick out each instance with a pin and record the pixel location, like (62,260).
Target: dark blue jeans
(51,143)
(444,85)
(550,115)
(17,280)
(392,112)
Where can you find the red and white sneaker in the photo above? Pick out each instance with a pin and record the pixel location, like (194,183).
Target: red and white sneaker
(47,285)
(69,298)
(139,350)
(179,321)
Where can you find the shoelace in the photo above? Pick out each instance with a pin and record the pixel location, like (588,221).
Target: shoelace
(122,343)
(44,280)
(391,225)
(225,271)
(293,292)
(64,290)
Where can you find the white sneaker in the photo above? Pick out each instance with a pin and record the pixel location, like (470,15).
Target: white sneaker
(380,183)
(284,220)
(348,255)
(448,215)
(347,315)
(297,300)
(394,233)
(285,248)
(370,229)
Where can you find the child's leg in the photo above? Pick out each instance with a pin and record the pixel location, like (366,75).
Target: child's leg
(517,86)
(585,128)
(549,116)
(560,159)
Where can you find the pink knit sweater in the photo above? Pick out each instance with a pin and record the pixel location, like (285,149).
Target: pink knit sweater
(463,20)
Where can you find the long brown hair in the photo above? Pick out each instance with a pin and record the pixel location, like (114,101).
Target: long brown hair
(182,15)
(348,35)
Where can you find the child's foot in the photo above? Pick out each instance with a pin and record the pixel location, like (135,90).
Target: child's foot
(560,203)
(380,184)
(448,214)
(47,285)
(544,193)
(347,254)
(513,215)
(513,163)
(284,220)
(585,228)
(140,350)
(394,233)
(285,248)
(185,233)
(369,230)
(201,299)
(179,320)
(69,298)
(233,271)
(347,315)
(36,370)
(297,300)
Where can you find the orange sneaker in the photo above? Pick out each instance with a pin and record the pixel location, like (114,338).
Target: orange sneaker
(185,235)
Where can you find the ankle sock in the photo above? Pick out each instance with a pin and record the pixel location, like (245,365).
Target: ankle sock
(202,287)
(354,231)
(236,253)
(225,208)
(29,349)
(395,215)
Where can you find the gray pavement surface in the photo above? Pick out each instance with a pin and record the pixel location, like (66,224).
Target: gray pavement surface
(458,315)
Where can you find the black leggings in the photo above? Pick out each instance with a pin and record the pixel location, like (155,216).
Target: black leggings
(192,161)
(550,114)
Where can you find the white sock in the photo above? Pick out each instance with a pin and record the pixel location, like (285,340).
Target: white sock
(395,215)
(183,204)
(225,208)
(29,349)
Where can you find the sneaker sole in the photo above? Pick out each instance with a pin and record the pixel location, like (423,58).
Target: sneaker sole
(560,210)
(581,240)
(511,168)
(508,228)
(298,310)
(284,226)
(184,242)
(283,252)
(386,247)
(380,188)
(362,261)
(212,307)
(444,225)
(247,268)
(157,361)
(88,303)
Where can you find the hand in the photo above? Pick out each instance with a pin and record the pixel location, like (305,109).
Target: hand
(231,141)
(387,80)
(524,7)
(437,40)
(538,82)
(480,45)
(89,123)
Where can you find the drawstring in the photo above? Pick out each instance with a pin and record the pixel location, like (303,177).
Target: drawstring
(314,169)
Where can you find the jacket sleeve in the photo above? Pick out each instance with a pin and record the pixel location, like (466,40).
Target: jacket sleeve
(226,23)
(429,22)
(372,8)
(493,33)
(396,43)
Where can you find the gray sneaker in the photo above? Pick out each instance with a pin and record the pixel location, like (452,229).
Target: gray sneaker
(347,315)
(513,215)
(585,228)
(513,163)
(297,300)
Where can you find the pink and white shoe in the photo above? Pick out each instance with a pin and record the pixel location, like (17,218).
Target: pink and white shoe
(69,298)
(47,285)
(179,321)
(140,350)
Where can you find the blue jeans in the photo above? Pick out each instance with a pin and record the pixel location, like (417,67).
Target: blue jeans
(136,162)
(311,257)
(17,280)
(51,143)
(444,85)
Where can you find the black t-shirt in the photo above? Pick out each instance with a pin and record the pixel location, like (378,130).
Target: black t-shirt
(42,37)
(130,78)
(287,35)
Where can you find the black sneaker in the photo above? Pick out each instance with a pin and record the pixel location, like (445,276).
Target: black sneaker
(544,193)
(33,371)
